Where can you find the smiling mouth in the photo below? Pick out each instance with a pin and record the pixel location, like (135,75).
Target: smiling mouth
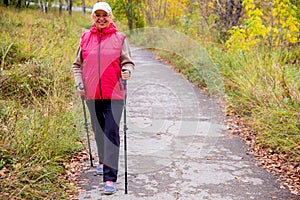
(101,22)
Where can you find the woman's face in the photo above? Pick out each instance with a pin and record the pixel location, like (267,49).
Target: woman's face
(102,19)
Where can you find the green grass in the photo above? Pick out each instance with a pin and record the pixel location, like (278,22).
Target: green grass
(264,88)
(38,123)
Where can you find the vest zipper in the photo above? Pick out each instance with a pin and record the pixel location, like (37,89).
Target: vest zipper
(99,70)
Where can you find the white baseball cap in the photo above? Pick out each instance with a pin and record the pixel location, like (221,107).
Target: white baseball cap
(102,6)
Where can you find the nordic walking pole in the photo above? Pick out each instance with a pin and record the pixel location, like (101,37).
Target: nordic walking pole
(87,130)
(125,129)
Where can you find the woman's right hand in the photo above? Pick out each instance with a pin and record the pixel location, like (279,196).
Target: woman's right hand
(81,92)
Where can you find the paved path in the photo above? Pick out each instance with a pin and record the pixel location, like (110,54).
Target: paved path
(178,147)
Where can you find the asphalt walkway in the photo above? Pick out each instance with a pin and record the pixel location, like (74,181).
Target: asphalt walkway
(178,146)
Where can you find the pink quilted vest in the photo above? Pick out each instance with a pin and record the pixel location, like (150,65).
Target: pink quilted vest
(101,72)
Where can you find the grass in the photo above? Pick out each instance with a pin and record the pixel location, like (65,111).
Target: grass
(266,90)
(38,125)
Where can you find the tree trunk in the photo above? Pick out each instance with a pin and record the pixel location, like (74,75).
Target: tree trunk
(159,15)
(40,2)
(46,7)
(27,3)
(203,13)
(129,15)
(148,12)
(60,7)
(238,13)
(19,4)
(83,8)
(5,2)
(66,5)
(228,14)
(70,7)
(165,9)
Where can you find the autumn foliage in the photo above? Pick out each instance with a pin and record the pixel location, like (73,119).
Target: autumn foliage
(276,26)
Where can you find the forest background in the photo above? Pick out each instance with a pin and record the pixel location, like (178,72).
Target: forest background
(253,45)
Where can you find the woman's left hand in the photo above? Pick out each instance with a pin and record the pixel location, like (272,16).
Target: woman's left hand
(125,74)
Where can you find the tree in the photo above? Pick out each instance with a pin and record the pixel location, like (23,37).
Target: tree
(231,17)
(276,26)
(60,7)
(238,13)
(41,4)
(164,10)
(5,2)
(129,15)
(70,4)
(46,7)
(19,4)
(83,8)
(129,12)
(229,13)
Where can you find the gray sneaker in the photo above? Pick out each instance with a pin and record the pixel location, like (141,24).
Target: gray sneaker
(109,188)
(99,170)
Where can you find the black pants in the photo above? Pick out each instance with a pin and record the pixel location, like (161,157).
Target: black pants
(105,118)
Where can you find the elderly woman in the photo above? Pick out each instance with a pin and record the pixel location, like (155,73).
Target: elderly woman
(103,60)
